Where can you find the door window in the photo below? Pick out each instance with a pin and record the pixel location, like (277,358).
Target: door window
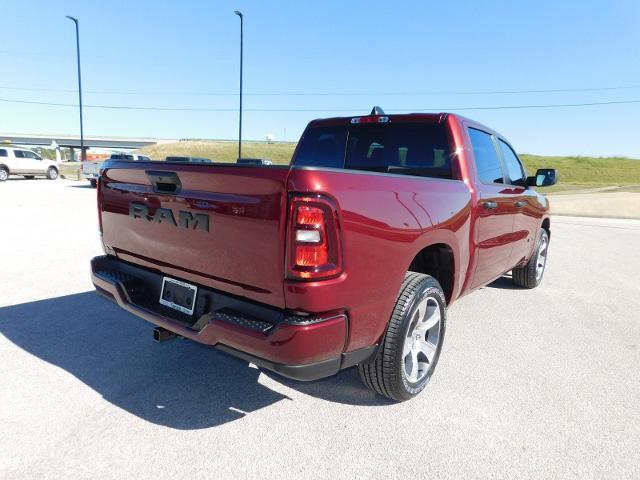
(515,172)
(19,153)
(486,157)
(32,155)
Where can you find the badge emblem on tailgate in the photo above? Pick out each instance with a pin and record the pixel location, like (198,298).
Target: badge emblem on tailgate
(186,220)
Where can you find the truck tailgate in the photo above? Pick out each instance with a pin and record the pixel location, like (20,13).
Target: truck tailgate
(91,168)
(218,225)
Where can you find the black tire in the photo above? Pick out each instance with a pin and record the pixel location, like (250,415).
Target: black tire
(386,372)
(4,174)
(93,182)
(52,173)
(528,276)
(29,177)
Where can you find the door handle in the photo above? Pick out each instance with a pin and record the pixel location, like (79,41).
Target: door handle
(520,204)
(164,182)
(490,205)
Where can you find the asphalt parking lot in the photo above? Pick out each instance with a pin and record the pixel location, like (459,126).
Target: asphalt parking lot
(531,384)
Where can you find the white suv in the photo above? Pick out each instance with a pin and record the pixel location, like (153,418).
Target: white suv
(20,161)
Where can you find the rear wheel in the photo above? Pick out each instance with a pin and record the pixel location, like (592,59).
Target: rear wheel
(4,174)
(93,182)
(411,346)
(52,173)
(530,275)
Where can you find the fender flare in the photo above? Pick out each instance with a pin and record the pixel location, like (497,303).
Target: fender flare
(435,237)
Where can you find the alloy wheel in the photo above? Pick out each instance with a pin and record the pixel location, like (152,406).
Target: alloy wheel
(421,342)
(541,259)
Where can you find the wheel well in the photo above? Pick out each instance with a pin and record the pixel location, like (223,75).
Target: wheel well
(546,224)
(2,165)
(437,261)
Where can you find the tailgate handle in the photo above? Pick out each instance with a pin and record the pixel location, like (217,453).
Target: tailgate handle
(164,182)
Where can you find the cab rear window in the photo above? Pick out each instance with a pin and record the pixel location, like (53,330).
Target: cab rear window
(407,148)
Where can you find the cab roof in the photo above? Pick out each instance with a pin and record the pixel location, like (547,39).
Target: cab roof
(381,118)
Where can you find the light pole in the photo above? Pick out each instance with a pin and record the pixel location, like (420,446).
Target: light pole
(82,152)
(238,13)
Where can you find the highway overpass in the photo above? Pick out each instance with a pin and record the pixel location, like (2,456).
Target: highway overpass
(73,141)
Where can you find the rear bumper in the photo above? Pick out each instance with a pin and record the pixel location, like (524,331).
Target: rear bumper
(295,346)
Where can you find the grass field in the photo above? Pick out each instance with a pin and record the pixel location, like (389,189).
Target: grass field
(70,170)
(587,172)
(576,173)
(223,151)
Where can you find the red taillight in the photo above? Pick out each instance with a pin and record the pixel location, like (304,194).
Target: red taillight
(311,256)
(313,248)
(309,216)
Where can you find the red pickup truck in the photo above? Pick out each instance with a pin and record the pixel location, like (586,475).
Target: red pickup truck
(348,256)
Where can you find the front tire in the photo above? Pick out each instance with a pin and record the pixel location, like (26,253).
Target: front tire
(93,182)
(411,347)
(52,173)
(530,275)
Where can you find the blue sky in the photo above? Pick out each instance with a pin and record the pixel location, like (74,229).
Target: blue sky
(399,55)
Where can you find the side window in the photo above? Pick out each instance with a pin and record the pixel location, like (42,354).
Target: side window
(486,157)
(515,172)
(28,154)
(19,153)
(322,147)
(3,152)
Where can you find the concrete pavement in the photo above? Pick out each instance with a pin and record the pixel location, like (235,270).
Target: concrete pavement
(537,383)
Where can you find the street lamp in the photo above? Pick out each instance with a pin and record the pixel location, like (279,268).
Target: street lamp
(239,14)
(82,152)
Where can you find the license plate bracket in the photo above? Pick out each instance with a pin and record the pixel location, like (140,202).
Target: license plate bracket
(180,296)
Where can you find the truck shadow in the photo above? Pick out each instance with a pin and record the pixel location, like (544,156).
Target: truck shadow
(178,384)
(504,282)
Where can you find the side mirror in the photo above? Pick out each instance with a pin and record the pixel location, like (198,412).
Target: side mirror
(544,177)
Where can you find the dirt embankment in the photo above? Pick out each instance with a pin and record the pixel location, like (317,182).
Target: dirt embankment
(619,204)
